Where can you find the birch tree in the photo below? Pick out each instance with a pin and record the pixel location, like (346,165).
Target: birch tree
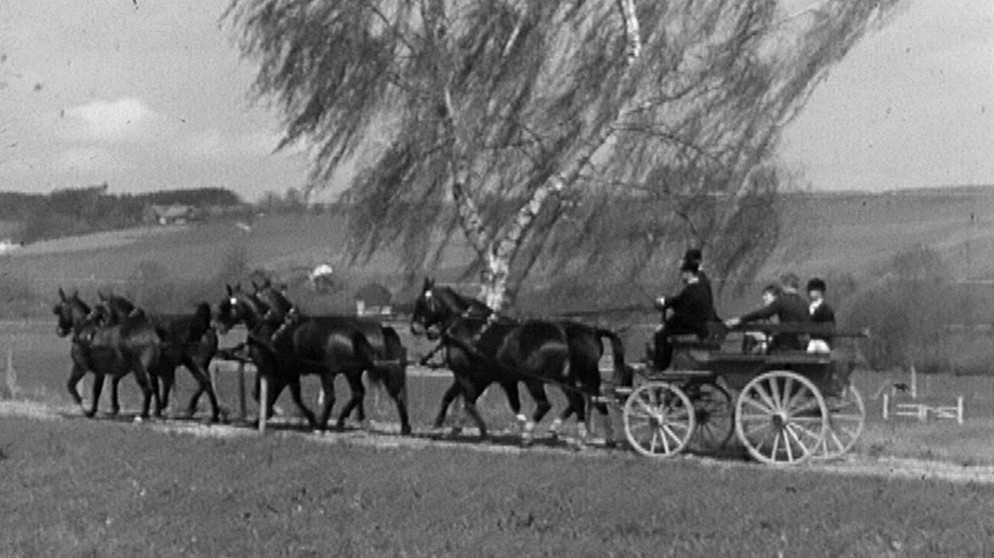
(506,110)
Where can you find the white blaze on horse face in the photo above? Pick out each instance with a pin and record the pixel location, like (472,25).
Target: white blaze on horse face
(233,301)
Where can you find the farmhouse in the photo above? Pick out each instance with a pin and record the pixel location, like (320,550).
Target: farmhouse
(373,299)
(174,214)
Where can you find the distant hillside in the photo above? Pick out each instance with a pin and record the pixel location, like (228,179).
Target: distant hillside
(847,234)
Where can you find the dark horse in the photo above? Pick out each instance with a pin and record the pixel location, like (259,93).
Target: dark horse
(481,350)
(285,345)
(131,346)
(187,340)
(387,366)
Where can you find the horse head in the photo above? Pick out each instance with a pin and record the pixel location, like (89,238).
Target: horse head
(238,307)
(279,305)
(71,312)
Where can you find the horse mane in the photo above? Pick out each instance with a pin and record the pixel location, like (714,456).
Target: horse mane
(464,303)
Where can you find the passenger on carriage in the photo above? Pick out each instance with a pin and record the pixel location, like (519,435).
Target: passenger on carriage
(788,306)
(688,312)
(821,313)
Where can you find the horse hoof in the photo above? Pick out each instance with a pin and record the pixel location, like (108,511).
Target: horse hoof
(139,419)
(405,430)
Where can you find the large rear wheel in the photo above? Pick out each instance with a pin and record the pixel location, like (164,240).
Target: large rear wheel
(846,419)
(781,418)
(659,419)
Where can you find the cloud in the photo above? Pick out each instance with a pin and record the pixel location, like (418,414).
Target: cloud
(114,121)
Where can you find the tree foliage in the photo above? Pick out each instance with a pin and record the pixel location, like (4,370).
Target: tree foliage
(560,106)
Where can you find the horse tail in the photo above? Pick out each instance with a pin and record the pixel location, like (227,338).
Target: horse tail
(622,373)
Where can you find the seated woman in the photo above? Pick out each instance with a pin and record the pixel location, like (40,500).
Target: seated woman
(821,313)
(688,312)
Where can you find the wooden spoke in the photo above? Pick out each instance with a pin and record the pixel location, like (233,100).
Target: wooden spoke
(793,426)
(714,414)
(666,411)
(846,419)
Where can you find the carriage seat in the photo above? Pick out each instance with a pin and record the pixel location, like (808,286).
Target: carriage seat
(716,334)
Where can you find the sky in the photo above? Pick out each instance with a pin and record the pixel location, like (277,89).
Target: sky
(152,94)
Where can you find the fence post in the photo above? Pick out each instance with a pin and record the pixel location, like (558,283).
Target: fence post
(914,382)
(263,402)
(241,390)
(959,409)
(11,373)
(886,405)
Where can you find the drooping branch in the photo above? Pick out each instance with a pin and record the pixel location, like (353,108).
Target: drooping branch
(633,40)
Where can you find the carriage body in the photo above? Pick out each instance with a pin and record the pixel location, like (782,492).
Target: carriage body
(785,407)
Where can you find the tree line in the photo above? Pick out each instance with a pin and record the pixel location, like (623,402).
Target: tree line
(76,211)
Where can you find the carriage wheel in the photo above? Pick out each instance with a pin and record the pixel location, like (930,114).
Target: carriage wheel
(659,419)
(714,416)
(846,418)
(781,418)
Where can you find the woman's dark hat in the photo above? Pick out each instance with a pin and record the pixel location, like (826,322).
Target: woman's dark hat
(817,285)
(693,255)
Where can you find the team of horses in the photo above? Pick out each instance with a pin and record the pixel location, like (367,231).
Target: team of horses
(115,338)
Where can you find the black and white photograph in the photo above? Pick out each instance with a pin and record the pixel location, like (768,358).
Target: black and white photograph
(510,278)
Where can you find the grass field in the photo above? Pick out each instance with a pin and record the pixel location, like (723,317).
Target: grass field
(85,488)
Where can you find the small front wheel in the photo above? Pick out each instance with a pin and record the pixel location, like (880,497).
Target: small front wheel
(659,419)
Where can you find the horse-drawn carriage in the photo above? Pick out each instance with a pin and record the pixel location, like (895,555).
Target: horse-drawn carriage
(788,407)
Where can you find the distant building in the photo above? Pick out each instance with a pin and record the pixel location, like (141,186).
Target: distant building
(373,299)
(175,214)
(8,245)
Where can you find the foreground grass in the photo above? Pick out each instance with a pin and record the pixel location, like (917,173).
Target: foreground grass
(100,488)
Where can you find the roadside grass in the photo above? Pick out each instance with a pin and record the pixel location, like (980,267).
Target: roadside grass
(104,488)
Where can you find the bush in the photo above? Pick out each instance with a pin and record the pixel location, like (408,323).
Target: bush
(909,313)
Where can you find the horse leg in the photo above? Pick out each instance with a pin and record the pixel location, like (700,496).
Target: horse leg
(328,385)
(470,395)
(115,404)
(168,378)
(298,400)
(514,402)
(396,384)
(141,376)
(565,415)
(203,385)
(542,406)
(75,375)
(354,377)
(450,394)
(98,386)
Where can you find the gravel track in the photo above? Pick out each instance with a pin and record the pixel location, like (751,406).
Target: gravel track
(384,436)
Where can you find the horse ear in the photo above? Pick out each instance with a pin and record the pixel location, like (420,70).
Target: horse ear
(62,294)
(227,287)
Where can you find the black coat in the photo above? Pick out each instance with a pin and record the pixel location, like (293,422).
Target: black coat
(788,308)
(693,308)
